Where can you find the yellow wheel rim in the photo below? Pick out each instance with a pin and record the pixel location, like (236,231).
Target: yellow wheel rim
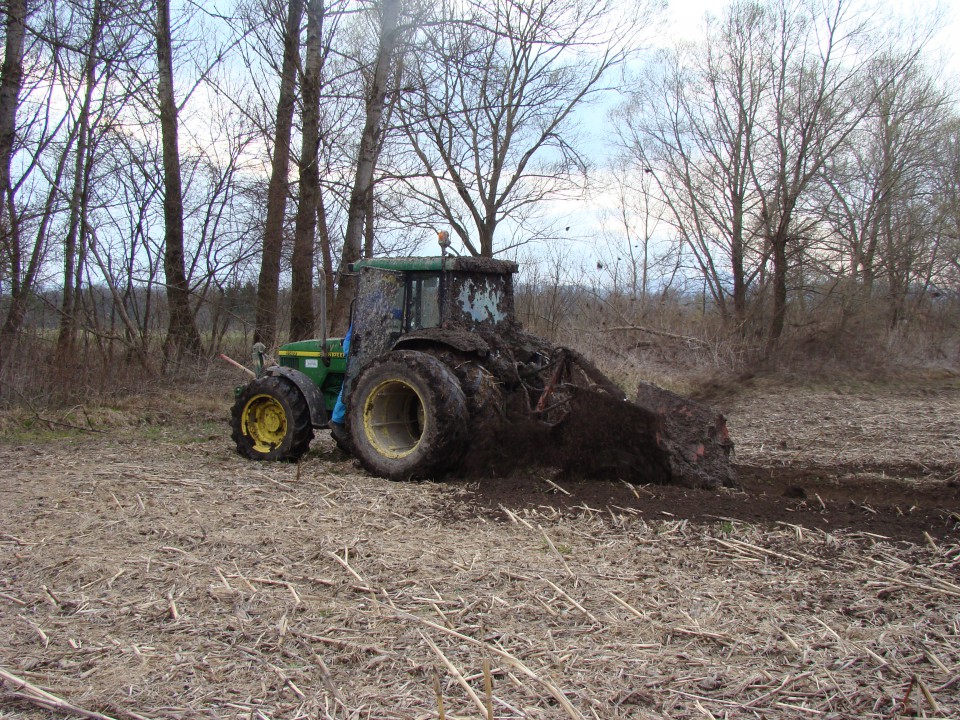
(264,421)
(393,419)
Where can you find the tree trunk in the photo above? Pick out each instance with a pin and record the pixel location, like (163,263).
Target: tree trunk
(367,157)
(739,288)
(486,231)
(326,258)
(368,225)
(80,195)
(777,322)
(182,335)
(737,258)
(11,82)
(265,330)
(302,319)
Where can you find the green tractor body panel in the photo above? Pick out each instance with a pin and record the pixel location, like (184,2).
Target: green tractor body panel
(325,370)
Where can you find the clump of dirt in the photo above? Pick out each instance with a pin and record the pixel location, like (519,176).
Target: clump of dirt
(551,407)
(696,436)
(601,437)
(607,437)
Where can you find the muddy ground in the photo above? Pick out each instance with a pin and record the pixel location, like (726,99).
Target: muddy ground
(146,571)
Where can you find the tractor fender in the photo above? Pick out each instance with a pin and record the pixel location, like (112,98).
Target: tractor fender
(455,339)
(311,393)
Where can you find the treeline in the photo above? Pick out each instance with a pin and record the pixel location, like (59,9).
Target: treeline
(191,147)
(155,157)
(799,152)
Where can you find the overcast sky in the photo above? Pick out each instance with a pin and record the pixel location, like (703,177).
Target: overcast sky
(685,20)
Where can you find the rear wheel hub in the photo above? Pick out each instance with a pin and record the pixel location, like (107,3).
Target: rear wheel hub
(265,422)
(393,418)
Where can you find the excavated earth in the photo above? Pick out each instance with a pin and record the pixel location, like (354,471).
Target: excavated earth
(147,571)
(885,463)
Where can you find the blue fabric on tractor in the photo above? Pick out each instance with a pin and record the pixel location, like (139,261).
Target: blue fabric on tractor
(339,409)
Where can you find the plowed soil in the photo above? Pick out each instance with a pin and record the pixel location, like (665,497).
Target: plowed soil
(147,571)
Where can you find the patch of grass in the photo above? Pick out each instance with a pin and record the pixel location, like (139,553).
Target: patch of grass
(32,430)
(180,418)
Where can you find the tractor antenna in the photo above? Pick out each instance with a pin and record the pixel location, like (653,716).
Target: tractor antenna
(443,237)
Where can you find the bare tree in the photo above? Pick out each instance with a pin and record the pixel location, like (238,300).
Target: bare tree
(881,181)
(182,333)
(490,114)
(80,195)
(817,60)
(11,83)
(269,283)
(742,129)
(26,259)
(125,255)
(42,139)
(361,195)
(695,126)
(302,321)
(947,240)
(637,257)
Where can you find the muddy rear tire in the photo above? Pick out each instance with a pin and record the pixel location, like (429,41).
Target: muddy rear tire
(271,420)
(407,417)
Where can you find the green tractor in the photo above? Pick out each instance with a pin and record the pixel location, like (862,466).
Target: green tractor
(406,412)
(439,376)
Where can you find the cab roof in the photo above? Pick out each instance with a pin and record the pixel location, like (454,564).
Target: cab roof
(436,264)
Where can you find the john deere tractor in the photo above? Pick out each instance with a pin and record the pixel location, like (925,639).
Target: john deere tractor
(440,377)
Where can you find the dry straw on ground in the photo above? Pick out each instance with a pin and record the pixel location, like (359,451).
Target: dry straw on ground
(161,576)
(849,428)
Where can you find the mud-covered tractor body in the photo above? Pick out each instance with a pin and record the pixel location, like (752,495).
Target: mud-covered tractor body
(439,376)
(428,303)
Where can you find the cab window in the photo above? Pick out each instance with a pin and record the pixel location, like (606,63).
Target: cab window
(423,301)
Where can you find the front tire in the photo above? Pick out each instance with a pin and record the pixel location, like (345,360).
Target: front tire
(271,420)
(407,417)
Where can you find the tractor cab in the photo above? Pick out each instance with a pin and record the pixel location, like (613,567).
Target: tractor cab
(415,293)
(450,301)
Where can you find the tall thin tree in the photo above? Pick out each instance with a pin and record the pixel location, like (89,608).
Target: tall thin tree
(265,330)
(302,320)
(182,334)
(79,199)
(11,83)
(361,193)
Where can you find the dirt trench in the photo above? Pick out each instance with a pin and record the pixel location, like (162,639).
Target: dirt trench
(884,461)
(885,503)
